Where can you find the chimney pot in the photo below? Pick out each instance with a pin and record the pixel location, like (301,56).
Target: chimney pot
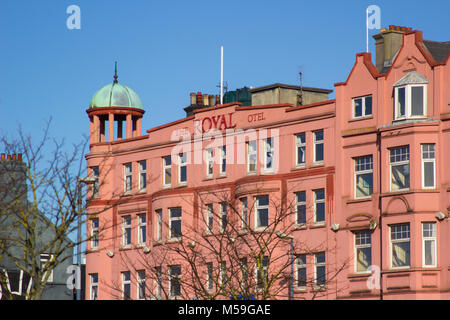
(192,95)
(199,98)
(14,157)
(3,156)
(205,100)
(19,157)
(211,100)
(8,157)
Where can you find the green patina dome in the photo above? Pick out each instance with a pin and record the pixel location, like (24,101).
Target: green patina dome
(116,95)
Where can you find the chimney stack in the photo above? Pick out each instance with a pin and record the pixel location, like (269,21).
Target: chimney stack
(387,44)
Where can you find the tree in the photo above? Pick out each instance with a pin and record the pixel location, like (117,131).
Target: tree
(41,206)
(234,248)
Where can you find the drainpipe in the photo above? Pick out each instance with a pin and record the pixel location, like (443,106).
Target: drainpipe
(381,211)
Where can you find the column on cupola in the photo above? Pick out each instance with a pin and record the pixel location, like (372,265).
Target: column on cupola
(94,126)
(102,129)
(119,127)
(129,120)
(111,127)
(138,126)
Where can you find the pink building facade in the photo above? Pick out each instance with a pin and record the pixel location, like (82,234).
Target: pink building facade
(361,184)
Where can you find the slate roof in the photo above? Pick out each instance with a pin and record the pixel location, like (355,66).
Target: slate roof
(439,50)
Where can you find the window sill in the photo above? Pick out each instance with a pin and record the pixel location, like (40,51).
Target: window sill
(358,200)
(300,226)
(174,240)
(125,248)
(208,179)
(318,164)
(359,275)
(299,167)
(361,118)
(222,176)
(167,186)
(181,185)
(317,225)
(300,290)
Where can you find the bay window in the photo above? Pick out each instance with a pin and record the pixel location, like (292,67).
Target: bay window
(399,168)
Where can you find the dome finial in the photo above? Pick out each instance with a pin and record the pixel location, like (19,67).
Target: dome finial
(115,73)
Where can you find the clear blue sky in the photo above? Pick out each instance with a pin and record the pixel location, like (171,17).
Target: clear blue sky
(167,49)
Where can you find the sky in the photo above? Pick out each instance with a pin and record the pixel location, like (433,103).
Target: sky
(167,49)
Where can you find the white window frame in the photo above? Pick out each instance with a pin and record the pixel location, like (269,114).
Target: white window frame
(126,282)
(426,236)
(362,240)
(301,266)
(128,177)
(316,143)
(125,227)
(223,161)
(173,219)
(317,201)
(401,240)
(44,258)
(244,213)
(223,215)
(399,163)
(95,223)
(223,273)
(182,164)
(363,168)
(141,286)
(167,168)
(428,156)
(268,153)
(364,114)
(96,186)
(258,207)
(159,224)
(93,286)
(142,175)
(209,218)
(209,276)
(209,155)
(320,265)
(171,276)
(408,102)
(158,282)
(252,156)
(300,145)
(297,205)
(264,270)
(142,229)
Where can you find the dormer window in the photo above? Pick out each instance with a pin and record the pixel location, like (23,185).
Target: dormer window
(410,96)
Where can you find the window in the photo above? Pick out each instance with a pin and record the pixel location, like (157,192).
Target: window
(410,101)
(93,286)
(223,274)
(400,243)
(300,145)
(126,231)
(318,146)
(428,166)
(319,206)
(142,229)
(223,216)
(175,223)
(182,168)
(319,269)
(244,212)
(159,224)
(244,274)
(300,218)
(141,285)
(268,154)
(167,171)
(142,175)
(96,186)
(223,160)
(363,250)
(47,266)
(301,271)
(399,168)
(363,176)
(158,282)
(251,157)
(262,272)
(209,276)
(209,216)
(128,171)
(362,106)
(175,281)
(262,211)
(429,244)
(209,163)
(94,233)
(126,286)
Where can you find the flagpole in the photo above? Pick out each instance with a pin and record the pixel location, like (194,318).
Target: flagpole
(367,29)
